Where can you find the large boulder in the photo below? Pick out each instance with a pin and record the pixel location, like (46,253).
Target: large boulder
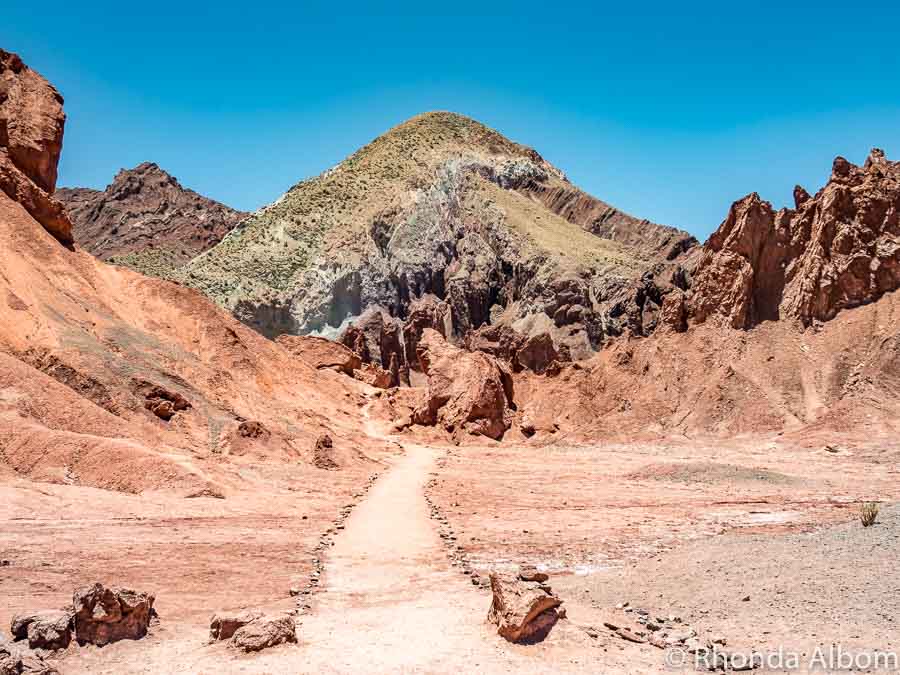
(320,352)
(467,391)
(523,611)
(265,632)
(50,629)
(31,133)
(835,250)
(104,615)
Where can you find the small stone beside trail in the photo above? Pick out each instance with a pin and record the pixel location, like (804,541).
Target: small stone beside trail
(224,624)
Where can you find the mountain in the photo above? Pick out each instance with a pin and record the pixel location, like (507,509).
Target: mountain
(443,205)
(146,220)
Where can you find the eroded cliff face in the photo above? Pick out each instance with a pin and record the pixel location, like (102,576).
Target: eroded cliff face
(835,250)
(31,133)
(146,220)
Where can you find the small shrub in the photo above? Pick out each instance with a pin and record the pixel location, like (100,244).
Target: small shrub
(868,512)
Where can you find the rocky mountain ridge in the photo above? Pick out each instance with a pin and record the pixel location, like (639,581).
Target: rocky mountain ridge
(146,220)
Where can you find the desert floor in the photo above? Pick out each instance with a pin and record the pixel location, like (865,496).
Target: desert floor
(754,541)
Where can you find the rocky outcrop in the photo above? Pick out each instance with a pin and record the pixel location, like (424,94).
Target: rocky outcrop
(535,352)
(606,221)
(467,392)
(523,611)
(146,220)
(320,352)
(428,311)
(265,632)
(375,336)
(104,615)
(673,313)
(31,134)
(837,249)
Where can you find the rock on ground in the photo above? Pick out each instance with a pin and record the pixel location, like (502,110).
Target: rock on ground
(523,611)
(265,632)
(50,629)
(323,454)
(224,624)
(104,615)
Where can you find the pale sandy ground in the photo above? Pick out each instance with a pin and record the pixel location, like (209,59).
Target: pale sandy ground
(610,522)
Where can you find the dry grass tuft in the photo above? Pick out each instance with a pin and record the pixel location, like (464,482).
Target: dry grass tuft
(868,512)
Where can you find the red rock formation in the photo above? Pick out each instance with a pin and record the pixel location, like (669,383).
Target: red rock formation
(104,615)
(673,313)
(835,250)
(375,336)
(31,132)
(89,348)
(467,391)
(426,312)
(535,352)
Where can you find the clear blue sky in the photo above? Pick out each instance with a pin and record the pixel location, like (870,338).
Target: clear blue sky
(669,110)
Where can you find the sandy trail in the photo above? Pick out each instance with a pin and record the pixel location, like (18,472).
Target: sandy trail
(391,601)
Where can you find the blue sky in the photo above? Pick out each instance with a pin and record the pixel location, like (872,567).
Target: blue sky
(670,111)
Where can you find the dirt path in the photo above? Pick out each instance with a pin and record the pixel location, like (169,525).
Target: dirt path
(391,601)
